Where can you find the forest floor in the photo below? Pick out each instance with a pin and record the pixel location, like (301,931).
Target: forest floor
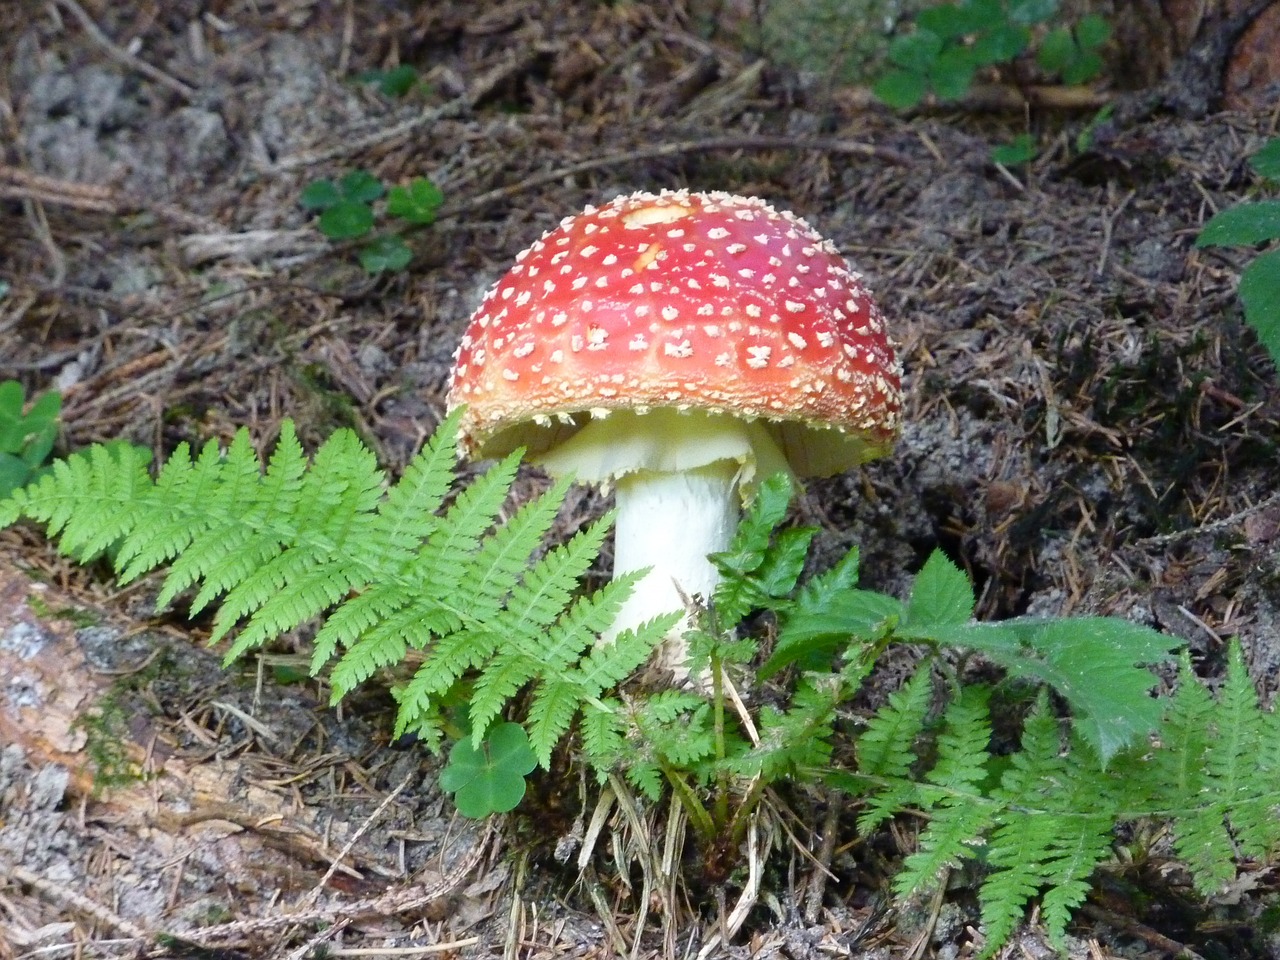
(1088,428)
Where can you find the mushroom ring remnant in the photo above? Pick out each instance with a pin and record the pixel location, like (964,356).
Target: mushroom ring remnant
(678,346)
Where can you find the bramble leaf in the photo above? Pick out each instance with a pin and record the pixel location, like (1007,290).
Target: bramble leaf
(1260,294)
(1241,225)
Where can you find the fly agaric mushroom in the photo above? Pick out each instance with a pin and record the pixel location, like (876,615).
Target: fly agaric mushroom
(678,346)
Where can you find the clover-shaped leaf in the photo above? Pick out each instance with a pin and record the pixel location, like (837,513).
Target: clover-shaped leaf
(489,778)
(387,252)
(417,202)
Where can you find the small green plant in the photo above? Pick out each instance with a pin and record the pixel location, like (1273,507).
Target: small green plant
(347,213)
(27,434)
(394,83)
(1247,224)
(951,42)
(1074,53)
(1021,150)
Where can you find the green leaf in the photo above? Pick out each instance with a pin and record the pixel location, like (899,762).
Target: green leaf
(901,89)
(320,195)
(416,203)
(1244,224)
(915,51)
(811,633)
(12,399)
(947,20)
(45,409)
(40,444)
(395,82)
(751,540)
(940,595)
(1021,150)
(1002,44)
(387,252)
(1096,663)
(1057,50)
(346,220)
(983,14)
(784,561)
(1084,139)
(362,186)
(952,73)
(1267,160)
(1031,12)
(13,474)
(1084,68)
(489,778)
(1092,32)
(1260,294)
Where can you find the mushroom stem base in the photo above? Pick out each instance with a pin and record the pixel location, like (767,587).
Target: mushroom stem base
(669,522)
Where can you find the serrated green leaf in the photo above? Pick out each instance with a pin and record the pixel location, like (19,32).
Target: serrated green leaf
(784,561)
(767,511)
(916,51)
(901,89)
(346,220)
(320,195)
(387,252)
(811,634)
(940,595)
(1267,160)
(1260,294)
(1098,664)
(1243,224)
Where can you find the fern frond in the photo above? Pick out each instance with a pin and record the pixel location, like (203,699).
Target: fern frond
(886,749)
(1217,769)
(383,568)
(604,735)
(1053,830)
(951,793)
(579,680)
(1236,763)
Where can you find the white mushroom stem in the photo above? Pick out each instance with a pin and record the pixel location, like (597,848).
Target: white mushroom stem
(670,522)
(678,477)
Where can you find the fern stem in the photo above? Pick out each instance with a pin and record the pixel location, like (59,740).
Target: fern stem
(698,815)
(717,712)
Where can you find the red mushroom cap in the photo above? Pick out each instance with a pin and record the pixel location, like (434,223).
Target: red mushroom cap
(694,301)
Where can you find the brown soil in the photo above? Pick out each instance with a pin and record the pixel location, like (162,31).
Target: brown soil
(1090,428)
